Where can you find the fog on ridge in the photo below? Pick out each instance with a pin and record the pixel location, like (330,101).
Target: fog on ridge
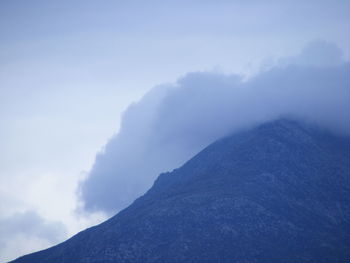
(173,122)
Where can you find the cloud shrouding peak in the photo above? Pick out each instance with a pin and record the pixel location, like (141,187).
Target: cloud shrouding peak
(173,122)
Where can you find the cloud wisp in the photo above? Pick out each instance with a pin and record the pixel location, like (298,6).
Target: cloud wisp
(24,232)
(173,122)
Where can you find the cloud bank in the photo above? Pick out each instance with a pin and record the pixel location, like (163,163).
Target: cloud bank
(173,122)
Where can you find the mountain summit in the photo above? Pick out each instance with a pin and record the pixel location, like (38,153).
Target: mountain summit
(279,192)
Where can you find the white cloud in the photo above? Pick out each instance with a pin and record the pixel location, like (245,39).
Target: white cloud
(172,123)
(39,209)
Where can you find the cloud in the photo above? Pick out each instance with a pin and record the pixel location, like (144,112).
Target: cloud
(173,122)
(26,232)
(318,53)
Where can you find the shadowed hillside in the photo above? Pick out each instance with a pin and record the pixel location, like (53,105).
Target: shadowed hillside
(276,193)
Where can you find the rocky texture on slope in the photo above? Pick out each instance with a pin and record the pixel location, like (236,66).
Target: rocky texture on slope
(276,193)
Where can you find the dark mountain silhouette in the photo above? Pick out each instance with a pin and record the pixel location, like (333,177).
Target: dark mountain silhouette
(276,193)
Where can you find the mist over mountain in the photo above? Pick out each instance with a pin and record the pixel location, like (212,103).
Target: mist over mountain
(173,122)
(97,99)
(278,192)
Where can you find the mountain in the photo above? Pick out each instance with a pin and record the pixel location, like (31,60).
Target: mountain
(279,192)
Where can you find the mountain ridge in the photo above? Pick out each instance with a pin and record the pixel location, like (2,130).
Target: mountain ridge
(277,192)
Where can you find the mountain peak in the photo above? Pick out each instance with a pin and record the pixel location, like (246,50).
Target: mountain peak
(279,192)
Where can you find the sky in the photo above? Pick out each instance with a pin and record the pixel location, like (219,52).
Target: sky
(70,69)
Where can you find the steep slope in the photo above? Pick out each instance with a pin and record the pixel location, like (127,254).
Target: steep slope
(277,193)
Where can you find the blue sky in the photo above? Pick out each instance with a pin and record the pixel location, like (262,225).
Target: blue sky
(69,69)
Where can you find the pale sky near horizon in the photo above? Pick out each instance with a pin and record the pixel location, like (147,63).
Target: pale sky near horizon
(68,69)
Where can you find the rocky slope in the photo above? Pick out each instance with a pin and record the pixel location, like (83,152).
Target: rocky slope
(277,193)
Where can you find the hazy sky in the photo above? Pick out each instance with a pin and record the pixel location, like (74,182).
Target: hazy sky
(68,69)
